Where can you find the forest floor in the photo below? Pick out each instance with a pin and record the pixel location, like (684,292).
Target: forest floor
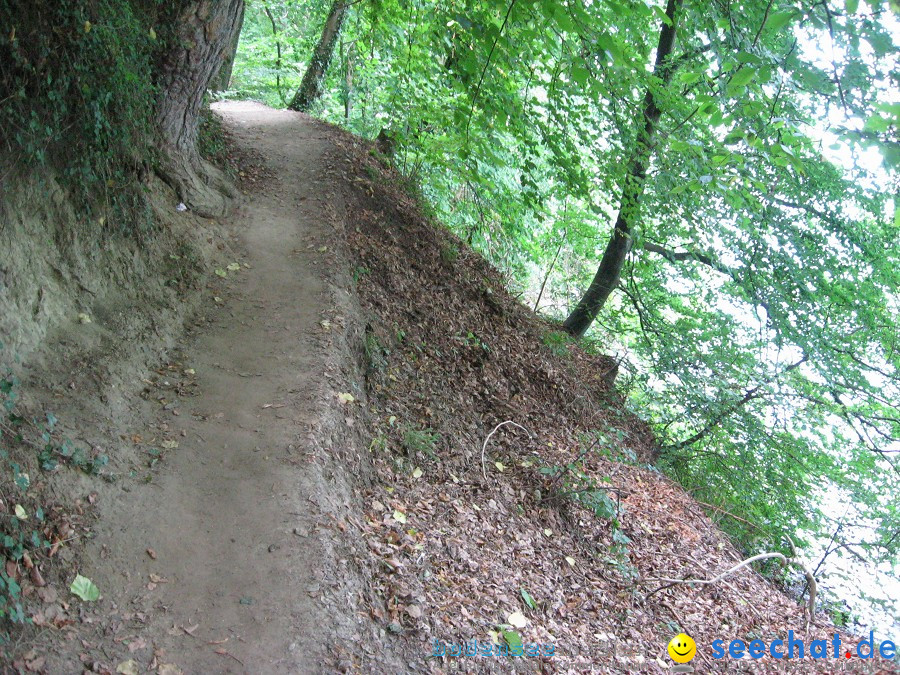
(318,492)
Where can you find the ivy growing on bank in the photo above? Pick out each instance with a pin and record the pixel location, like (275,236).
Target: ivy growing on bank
(78,98)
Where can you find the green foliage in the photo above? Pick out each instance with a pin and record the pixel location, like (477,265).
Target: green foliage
(259,73)
(557,342)
(211,140)
(20,526)
(23,523)
(75,82)
(757,310)
(420,441)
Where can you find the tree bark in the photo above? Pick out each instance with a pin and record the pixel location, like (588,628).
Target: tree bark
(223,79)
(311,87)
(607,277)
(205,31)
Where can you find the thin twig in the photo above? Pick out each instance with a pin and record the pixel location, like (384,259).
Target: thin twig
(488,63)
(810,579)
(484,445)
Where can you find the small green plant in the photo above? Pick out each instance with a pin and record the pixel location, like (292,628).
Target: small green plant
(472,340)
(212,141)
(450,252)
(52,451)
(571,481)
(376,353)
(420,441)
(557,342)
(21,526)
(359,272)
(378,444)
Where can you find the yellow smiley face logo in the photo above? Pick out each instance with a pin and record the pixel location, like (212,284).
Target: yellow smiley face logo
(682,648)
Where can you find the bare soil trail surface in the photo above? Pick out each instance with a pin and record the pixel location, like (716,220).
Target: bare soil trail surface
(226,561)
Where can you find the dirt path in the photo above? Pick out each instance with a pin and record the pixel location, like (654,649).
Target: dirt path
(235,515)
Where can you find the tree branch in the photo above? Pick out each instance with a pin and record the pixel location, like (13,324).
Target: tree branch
(748,396)
(681,256)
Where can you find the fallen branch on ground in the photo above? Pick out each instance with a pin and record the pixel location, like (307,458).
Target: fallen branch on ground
(484,445)
(809,609)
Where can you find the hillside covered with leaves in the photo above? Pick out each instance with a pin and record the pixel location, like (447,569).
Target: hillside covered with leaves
(707,191)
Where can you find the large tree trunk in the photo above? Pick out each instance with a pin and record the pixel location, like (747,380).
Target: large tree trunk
(607,277)
(205,30)
(223,79)
(311,87)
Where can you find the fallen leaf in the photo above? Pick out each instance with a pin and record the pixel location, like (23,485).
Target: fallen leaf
(35,665)
(129,667)
(570,560)
(234,267)
(526,596)
(417,473)
(221,273)
(137,643)
(85,589)
(517,620)
(21,513)
(513,639)
(36,578)
(399,516)
(346,398)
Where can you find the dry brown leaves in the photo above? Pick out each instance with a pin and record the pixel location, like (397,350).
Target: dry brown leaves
(449,350)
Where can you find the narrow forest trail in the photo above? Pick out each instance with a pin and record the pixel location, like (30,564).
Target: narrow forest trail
(234,516)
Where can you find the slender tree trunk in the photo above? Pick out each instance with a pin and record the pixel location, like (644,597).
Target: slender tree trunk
(277,50)
(311,87)
(607,277)
(347,90)
(205,32)
(223,79)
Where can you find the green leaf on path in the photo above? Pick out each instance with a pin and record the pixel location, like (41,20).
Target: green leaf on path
(85,589)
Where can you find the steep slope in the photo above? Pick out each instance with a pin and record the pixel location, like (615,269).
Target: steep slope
(468,518)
